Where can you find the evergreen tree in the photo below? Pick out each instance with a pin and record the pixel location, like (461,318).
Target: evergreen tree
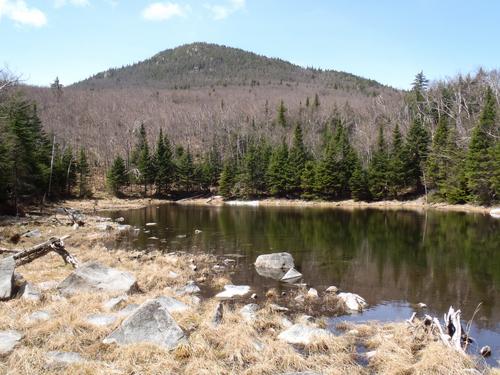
(163,164)
(83,173)
(416,150)
(297,160)
(117,176)
(397,163)
(378,171)
(227,179)
(478,162)
(281,114)
(277,172)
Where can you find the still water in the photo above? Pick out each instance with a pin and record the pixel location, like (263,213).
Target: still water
(394,259)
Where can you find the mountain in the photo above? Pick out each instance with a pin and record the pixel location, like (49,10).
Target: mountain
(203,64)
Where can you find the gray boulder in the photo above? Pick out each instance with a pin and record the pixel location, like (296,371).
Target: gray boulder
(8,341)
(302,334)
(150,323)
(7,267)
(95,277)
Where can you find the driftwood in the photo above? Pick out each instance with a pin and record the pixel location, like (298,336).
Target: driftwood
(54,244)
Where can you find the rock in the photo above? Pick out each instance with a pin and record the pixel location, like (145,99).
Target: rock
(62,359)
(7,267)
(127,310)
(353,301)
(114,303)
(150,224)
(150,323)
(218,314)
(249,312)
(273,266)
(47,285)
(100,320)
(302,334)
(485,351)
(312,293)
(31,293)
(95,277)
(173,305)
(197,231)
(332,289)
(35,233)
(38,316)
(189,288)
(8,341)
(231,291)
(291,276)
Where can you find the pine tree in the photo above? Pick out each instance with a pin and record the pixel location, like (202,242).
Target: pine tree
(117,176)
(416,150)
(163,164)
(297,160)
(83,173)
(281,114)
(478,162)
(227,177)
(397,164)
(378,171)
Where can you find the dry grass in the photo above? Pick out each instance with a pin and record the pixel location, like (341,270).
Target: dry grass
(233,347)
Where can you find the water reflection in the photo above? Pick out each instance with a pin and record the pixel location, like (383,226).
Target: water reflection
(438,258)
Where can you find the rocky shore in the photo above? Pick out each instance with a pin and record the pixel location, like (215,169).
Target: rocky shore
(124,312)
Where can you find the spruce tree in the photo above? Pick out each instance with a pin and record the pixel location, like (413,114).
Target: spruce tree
(297,160)
(478,162)
(397,165)
(117,176)
(378,171)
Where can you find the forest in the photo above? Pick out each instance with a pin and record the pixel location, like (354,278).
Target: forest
(429,159)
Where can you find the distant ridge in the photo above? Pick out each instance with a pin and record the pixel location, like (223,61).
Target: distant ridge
(204,64)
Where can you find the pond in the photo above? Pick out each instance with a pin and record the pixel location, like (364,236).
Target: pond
(394,259)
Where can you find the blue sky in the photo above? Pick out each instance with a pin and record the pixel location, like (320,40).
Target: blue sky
(385,40)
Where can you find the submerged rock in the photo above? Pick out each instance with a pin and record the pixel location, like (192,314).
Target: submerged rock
(302,334)
(231,291)
(353,301)
(150,323)
(62,359)
(7,267)
(8,341)
(95,277)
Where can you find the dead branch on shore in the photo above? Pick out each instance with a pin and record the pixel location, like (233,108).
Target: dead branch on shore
(53,244)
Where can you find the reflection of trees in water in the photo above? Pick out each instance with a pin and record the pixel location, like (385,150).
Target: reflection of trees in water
(439,258)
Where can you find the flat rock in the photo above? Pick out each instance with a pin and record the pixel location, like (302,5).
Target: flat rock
(39,316)
(7,267)
(150,323)
(95,277)
(283,261)
(231,291)
(353,301)
(31,293)
(302,334)
(249,312)
(8,341)
(100,320)
(291,276)
(62,359)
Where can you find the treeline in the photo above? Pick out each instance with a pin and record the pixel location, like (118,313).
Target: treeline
(403,167)
(32,166)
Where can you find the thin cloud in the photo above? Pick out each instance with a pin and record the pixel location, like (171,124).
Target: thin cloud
(220,12)
(163,11)
(19,12)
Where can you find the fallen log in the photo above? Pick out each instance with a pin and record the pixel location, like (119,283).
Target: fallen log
(53,244)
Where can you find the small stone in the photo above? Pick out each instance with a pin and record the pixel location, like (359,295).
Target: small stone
(332,289)
(231,291)
(249,312)
(312,293)
(101,320)
(62,359)
(8,341)
(485,351)
(218,314)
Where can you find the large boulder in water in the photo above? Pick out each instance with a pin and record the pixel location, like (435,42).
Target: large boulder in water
(95,277)
(7,267)
(274,265)
(150,323)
